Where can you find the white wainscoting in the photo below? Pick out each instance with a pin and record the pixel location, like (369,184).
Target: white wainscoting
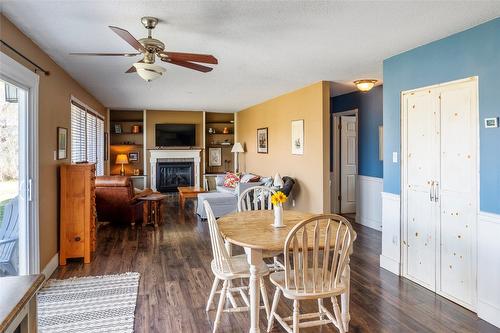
(488,270)
(369,201)
(390,258)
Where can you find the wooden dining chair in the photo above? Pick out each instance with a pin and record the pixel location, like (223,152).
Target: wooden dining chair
(259,198)
(228,268)
(317,252)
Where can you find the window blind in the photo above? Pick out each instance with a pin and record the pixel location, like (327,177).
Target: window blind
(78,134)
(87,137)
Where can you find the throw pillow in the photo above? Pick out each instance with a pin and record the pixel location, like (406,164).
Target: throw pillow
(249,178)
(231,180)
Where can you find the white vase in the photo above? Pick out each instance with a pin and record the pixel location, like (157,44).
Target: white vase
(278,216)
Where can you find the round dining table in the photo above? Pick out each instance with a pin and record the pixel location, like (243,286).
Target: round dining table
(253,230)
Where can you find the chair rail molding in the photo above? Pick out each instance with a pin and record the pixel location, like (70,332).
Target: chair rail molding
(390,259)
(488,270)
(369,201)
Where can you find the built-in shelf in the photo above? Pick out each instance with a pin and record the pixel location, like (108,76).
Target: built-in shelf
(126,120)
(220,122)
(220,133)
(219,146)
(126,145)
(127,133)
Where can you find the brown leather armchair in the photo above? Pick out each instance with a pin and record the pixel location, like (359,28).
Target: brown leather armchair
(116,201)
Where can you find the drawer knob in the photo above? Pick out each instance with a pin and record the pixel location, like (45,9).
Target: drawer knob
(77,238)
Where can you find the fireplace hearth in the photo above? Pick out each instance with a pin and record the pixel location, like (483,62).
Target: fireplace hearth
(171,175)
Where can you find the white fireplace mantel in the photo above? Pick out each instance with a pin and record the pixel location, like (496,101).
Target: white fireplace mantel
(157,155)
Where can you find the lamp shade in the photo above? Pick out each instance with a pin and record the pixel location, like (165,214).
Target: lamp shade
(237,148)
(149,72)
(121,159)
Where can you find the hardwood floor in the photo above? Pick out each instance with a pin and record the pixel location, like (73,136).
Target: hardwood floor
(174,262)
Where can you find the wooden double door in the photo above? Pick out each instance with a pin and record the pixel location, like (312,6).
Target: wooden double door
(439,189)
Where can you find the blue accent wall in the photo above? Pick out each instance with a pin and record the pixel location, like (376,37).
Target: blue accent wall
(474,52)
(369,107)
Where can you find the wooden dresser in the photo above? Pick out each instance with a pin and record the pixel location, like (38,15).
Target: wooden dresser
(78,214)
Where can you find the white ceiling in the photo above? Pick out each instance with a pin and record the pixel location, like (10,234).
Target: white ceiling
(264,48)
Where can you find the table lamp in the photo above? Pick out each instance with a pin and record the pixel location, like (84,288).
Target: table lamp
(122,159)
(237,148)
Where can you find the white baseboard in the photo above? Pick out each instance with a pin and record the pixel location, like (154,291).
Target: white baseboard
(51,266)
(390,264)
(369,201)
(489,313)
(488,268)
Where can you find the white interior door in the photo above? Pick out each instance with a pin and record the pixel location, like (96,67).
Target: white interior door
(457,194)
(422,157)
(440,189)
(348,163)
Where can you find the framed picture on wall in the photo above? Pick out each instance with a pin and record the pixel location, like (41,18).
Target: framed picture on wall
(62,143)
(133,156)
(262,141)
(214,157)
(298,137)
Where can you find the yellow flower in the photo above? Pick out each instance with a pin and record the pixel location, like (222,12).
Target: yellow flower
(278,198)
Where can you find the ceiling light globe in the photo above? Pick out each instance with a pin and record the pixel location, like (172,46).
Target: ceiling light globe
(149,72)
(365,84)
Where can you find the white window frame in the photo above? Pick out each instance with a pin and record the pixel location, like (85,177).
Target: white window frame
(88,111)
(29,242)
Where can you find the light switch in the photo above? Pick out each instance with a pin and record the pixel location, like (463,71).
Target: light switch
(55,155)
(395,157)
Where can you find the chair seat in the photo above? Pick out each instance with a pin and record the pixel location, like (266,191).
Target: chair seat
(278,279)
(240,268)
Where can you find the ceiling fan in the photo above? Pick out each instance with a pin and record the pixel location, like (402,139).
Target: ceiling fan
(150,48)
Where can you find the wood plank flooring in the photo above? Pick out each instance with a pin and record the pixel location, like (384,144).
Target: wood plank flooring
(174,262)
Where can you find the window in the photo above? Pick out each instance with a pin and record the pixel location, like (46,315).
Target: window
(87,137)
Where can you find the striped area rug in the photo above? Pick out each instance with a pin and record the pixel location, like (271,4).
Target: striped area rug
(88,305)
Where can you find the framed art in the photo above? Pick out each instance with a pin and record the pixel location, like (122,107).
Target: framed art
(214,157)
(491,122)
(62,143)
(262,140)
(133,156)
(118,128)
(298,137)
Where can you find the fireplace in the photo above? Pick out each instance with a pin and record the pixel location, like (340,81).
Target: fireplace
(171,175)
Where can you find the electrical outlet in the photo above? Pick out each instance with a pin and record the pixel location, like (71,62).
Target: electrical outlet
(55,155)
(395,157)
(293,203)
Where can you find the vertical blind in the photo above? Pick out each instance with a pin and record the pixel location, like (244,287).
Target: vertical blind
(87,137)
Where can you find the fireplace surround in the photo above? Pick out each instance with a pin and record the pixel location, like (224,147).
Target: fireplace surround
(183,156)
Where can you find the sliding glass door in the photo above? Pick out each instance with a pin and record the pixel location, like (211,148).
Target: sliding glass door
(18,214)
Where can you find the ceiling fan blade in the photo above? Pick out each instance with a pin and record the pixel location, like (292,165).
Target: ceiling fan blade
(187,64)
(131,70)
(105,54)
(179,56)
(126,36)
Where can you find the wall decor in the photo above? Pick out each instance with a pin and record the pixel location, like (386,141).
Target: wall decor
(262,140)
(298,137)
(133,156)
(214,157)
(62,143)
(118,128)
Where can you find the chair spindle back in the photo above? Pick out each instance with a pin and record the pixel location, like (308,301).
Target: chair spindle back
(220,253)
(256,198)
(320,248)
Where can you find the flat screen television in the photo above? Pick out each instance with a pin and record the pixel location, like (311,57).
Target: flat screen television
(175,135)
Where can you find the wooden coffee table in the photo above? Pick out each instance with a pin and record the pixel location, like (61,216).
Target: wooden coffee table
(151,209)
(186,192)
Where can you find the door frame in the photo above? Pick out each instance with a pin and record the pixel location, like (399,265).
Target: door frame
(404,183)
(19,75)
(335,190)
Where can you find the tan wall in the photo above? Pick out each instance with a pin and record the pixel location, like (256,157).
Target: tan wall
(310,170)
(55,91)
(154,117)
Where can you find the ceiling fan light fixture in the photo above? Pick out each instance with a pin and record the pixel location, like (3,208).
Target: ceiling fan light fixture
(365,85)
(149,72)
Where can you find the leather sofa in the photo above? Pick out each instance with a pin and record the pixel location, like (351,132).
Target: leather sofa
(116,200)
